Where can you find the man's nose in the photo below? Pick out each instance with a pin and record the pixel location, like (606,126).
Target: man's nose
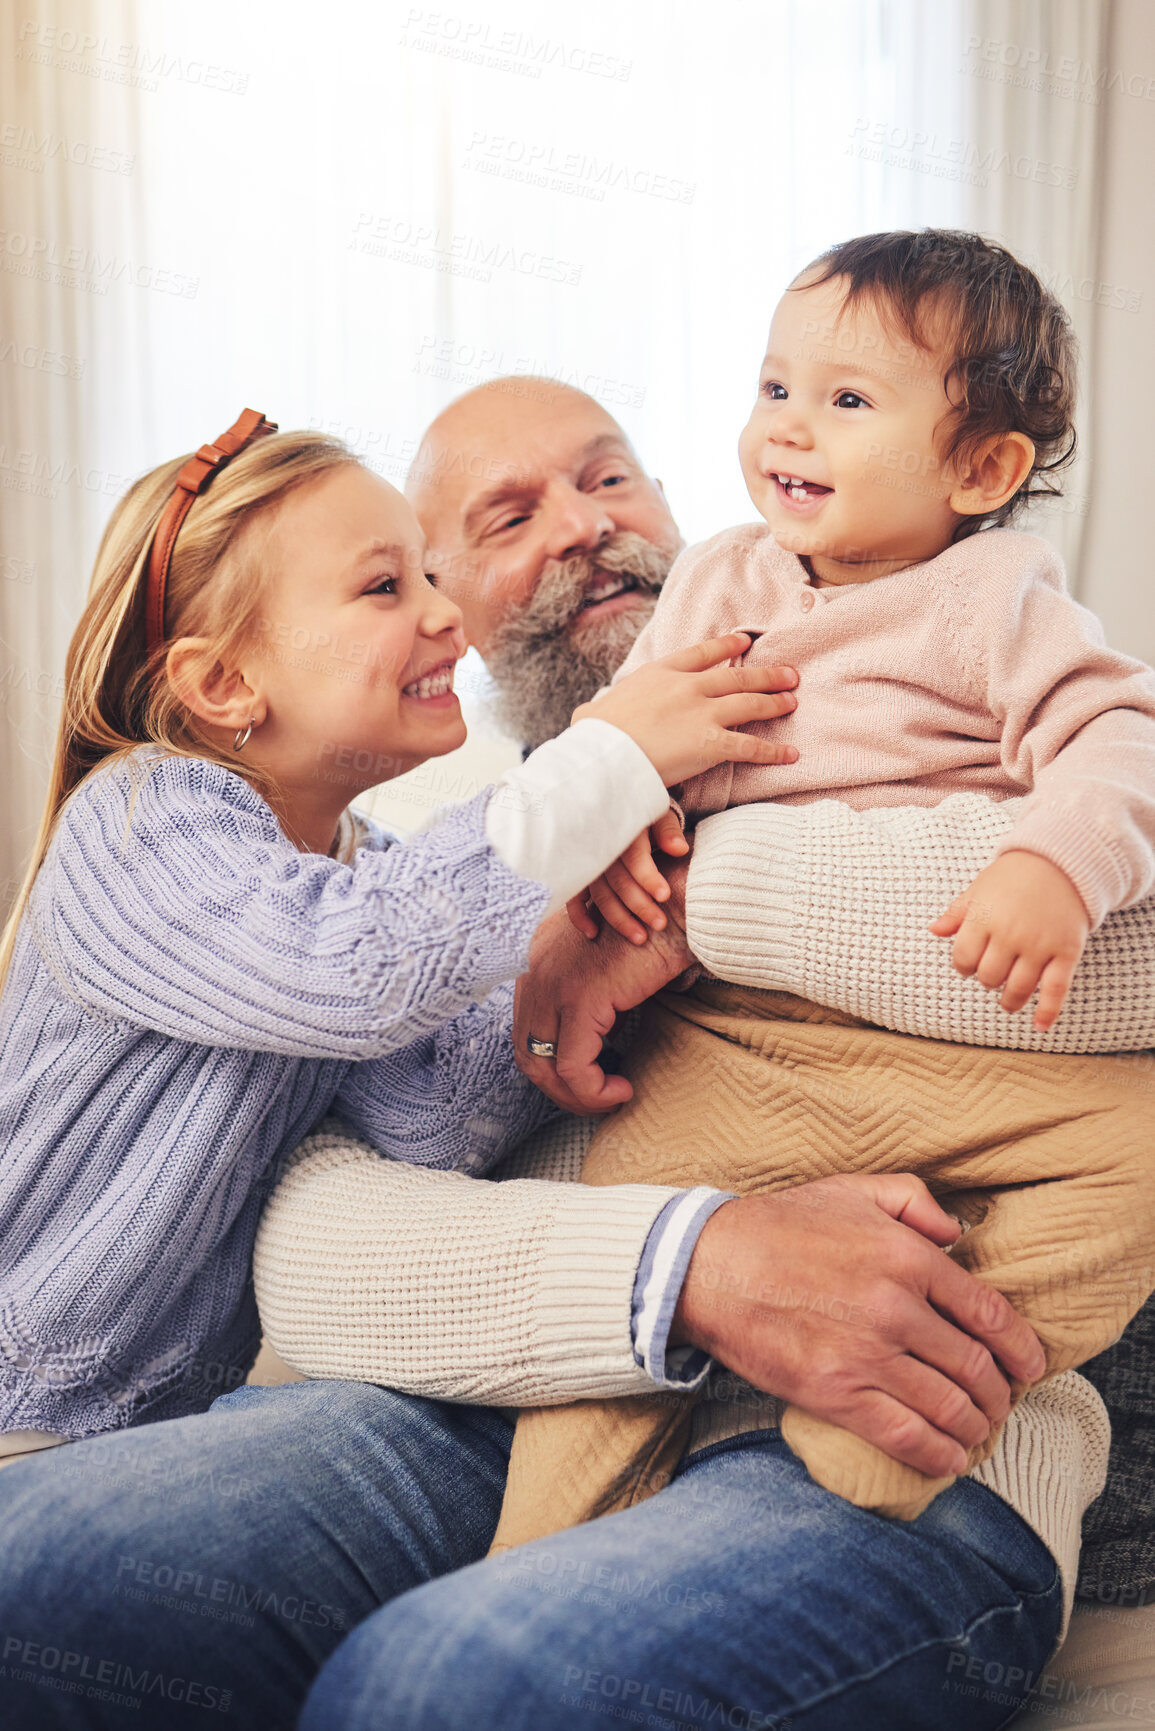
(579,522)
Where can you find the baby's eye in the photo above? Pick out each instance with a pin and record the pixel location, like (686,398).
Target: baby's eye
(612,480)
(384,586)
(850,400)
(776,392)
(431,579)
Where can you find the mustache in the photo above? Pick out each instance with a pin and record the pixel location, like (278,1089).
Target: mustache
(543,661)
(564,584)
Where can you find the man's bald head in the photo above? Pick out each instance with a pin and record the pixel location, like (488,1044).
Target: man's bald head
(480,436)
(519,472)
(547,531)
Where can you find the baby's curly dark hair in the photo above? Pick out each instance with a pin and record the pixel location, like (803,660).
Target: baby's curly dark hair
(1014,353)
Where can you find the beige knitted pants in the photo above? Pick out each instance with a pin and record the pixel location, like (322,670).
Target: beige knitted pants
(1049,1158)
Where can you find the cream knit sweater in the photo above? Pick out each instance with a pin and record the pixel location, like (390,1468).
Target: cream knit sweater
(519,1292)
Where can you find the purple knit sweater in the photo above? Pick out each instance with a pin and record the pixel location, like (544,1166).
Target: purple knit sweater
(188,997)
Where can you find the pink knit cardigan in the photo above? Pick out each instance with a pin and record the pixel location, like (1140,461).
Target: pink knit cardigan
(974,672)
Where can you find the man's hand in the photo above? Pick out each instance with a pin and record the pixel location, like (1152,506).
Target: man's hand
(575,990)
(837,1296)
(1021,924)
(633,885)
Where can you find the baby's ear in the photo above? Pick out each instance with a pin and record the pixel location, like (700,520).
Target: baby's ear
(993,474)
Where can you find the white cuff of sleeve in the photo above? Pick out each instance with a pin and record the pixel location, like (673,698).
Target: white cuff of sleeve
(568,811)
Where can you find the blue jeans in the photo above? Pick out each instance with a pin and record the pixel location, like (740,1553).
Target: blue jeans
(215,1565)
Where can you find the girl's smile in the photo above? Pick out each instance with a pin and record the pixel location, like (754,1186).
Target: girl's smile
(375,684)
(434,687)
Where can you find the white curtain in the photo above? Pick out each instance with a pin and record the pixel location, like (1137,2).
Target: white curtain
(69,344)
(1035,73)
(345,217)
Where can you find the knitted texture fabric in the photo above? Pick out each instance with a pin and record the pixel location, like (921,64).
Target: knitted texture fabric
(748,905)
(1047,1157)
(833,905)
(453,1288)
(972,673)
(189,995)
(517,1290)
(1117,1565)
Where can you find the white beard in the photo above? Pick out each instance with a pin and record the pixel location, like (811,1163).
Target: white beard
(544,661)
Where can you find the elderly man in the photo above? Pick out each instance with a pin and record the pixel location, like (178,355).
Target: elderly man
(230,1553)
(555,553)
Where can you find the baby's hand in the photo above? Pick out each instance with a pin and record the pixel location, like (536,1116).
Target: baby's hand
(632,885)
(1021,924)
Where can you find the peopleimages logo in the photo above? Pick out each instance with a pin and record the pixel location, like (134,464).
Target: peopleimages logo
(1029,67)
(83,1674)
(29,472)
(430,247)
(24,147)
(482,43)
(40,360)
(127,63)
(929,152)
(537,162)
(192,1589)
(81,267)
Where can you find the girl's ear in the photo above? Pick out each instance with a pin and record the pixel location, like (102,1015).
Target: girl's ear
(213,692)
(995,473)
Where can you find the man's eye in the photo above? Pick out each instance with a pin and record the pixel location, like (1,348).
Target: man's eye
(511,522)
(850,400)
(612,480)
(776,392)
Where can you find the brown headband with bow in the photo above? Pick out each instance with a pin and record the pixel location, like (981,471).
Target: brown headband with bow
(190,483)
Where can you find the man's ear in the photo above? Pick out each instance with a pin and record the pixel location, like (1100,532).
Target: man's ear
(994,474)
(216,694)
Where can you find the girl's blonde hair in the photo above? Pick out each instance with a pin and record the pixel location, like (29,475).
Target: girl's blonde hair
(116,695)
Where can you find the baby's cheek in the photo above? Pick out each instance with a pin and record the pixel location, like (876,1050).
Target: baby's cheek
(750,441)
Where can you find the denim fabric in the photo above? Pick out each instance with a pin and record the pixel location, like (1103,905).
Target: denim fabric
(216,1561)
(208,1567)
(742,1596)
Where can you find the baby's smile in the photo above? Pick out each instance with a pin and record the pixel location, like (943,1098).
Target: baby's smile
(832,430)
(798,494)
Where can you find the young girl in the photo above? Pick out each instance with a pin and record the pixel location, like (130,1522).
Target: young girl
(211,951)
(916,387)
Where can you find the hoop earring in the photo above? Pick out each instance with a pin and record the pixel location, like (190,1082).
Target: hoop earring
(241,738)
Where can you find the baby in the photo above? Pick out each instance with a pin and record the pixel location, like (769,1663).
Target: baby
(917,389)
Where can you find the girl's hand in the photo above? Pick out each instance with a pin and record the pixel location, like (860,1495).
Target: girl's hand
(680,710)
(1021,924)
(634,883)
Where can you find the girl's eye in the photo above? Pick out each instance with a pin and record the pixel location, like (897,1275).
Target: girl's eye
(850,400)
(776,392)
